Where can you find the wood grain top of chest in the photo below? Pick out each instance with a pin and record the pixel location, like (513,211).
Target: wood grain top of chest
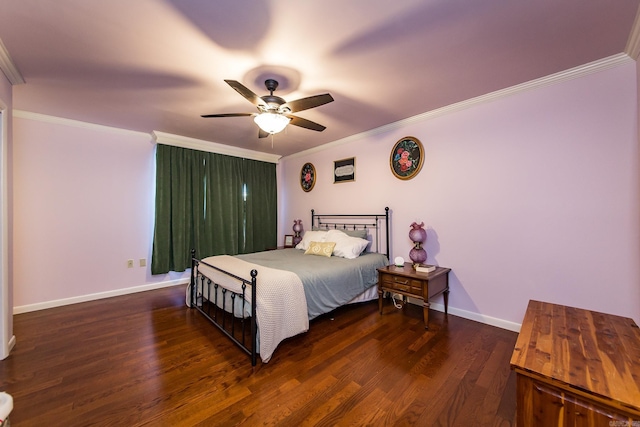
(593,353)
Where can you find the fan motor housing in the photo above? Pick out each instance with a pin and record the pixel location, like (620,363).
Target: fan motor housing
(272,99)
(273,103)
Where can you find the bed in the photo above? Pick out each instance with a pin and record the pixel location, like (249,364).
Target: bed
(335,264)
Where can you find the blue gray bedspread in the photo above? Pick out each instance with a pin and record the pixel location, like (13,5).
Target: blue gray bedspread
(328,282)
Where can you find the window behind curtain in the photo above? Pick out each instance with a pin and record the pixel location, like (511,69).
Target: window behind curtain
(212,203)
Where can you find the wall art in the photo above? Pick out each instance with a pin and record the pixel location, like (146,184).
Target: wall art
(307,177)
(344,170)
(406,158)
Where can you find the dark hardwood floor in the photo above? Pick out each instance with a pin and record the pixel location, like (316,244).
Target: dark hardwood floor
(146,359)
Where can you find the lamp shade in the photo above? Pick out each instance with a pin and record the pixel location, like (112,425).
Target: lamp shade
(271,122)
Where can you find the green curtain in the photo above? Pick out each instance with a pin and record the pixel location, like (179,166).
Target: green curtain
(261,206)
(173,234)
(224,205)
(200,205)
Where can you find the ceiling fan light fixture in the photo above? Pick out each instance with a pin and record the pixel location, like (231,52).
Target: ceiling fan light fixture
(271,122)
(274,113)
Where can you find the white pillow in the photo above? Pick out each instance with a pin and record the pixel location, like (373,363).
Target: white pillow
(346,246)
(311,236)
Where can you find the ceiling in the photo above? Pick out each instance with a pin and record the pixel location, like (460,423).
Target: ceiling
(148,65)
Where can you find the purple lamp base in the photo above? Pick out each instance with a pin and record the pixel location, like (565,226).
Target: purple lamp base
(418,255)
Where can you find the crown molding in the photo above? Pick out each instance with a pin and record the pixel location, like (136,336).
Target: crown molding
(572,73)
(74,123)
(633,42)
(212,147)
(155,136)
(8,67)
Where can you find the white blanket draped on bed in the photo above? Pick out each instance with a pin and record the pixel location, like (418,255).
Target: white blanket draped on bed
(281,308)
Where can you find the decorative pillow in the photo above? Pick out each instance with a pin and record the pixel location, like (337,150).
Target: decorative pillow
(320,248)
(346,246)
(311,236)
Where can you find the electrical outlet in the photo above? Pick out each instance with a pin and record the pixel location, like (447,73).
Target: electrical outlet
(143,262)
(129,263)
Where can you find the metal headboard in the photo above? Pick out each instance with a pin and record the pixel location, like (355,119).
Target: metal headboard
(372,222)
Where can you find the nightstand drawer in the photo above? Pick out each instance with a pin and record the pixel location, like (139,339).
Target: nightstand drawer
(402,284)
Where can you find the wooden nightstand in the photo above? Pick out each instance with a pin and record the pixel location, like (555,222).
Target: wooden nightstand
(406,281)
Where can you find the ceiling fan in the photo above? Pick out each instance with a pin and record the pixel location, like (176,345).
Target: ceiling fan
(274,113)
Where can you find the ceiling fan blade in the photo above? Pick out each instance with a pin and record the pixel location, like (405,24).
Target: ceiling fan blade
(246,92)
(310,102)
(227,115)
(304,123)
(262,134)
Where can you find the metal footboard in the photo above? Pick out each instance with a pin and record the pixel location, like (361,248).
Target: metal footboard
(231,312)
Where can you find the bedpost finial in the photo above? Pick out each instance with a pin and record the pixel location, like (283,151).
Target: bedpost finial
(386,209)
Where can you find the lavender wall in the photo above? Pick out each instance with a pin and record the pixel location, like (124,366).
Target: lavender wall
(83,206)
(530,196)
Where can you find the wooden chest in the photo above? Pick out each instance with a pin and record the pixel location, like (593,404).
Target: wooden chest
(576,368)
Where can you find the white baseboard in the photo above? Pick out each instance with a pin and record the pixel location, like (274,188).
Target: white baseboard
(100,295)
(477,317)
(5,351)
(493,321)
(488,320)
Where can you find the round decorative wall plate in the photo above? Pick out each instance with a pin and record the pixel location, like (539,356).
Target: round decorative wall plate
(406,158)
(307,177)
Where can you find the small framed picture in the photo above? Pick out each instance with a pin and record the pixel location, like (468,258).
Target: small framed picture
(288,241)
(344,170)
